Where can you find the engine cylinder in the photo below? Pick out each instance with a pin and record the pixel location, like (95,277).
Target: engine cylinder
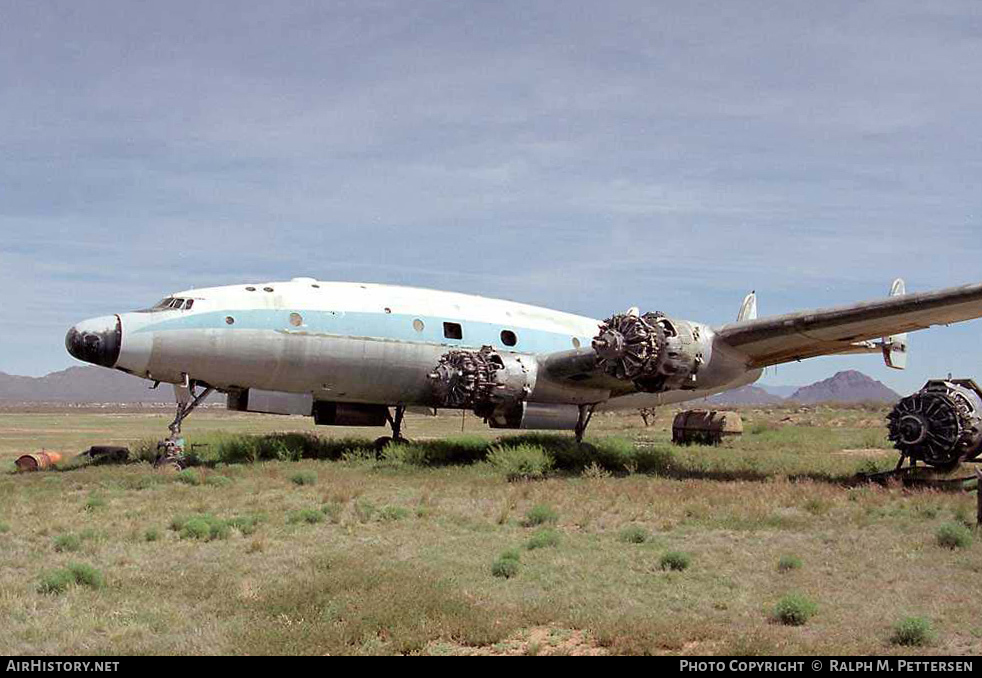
(941,424)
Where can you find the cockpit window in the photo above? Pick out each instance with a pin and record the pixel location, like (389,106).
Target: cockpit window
(188,304)
(164,303)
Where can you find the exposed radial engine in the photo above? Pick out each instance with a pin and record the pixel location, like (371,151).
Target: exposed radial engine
(941,424)
(655,352)
(482,380)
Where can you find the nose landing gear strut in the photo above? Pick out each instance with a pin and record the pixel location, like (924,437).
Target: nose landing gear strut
(170,451)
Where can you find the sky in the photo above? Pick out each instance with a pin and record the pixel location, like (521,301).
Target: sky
(583,156)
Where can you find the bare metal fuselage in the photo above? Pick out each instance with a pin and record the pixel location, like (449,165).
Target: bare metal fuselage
(361,343)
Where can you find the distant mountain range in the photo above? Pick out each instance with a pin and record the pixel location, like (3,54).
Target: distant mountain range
(83,385)
(845,387)
(99,385)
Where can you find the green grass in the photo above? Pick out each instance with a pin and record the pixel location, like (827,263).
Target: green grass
(795,609)
(521,462)
(634,534)
(675,560)
(304,478)
(540,514)
(954,536)
(308,516)
(544,538)
(912,632)
(358,584)
(151,534)
(95,501)
(200,527)
(77,574)
(507,564)
(392,513)
(787,563)
(67,543)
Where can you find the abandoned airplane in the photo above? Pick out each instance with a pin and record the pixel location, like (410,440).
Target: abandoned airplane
(358,354)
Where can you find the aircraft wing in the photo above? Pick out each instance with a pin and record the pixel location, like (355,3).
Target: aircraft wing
(827,331)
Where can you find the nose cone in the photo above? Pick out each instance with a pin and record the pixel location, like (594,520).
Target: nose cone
(96,341)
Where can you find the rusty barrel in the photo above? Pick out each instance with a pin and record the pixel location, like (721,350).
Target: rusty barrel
(37,461)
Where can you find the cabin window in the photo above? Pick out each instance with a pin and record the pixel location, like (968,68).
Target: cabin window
(508,338)
(229,320)
(418,325)
(296,319)
(267,289)
(250,289)
(576,342)
(453,331)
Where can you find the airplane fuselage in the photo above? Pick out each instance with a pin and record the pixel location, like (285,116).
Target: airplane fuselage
(364,343)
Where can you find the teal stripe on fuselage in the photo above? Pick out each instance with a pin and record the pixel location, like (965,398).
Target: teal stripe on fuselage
(391,326)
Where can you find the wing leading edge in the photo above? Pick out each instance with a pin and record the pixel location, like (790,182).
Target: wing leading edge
(828,331)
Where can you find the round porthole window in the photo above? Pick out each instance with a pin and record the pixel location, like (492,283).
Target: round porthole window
(250,289)
(229,320)
(508,338)
(267,289)
(576,342)
(296,319)
(418,325)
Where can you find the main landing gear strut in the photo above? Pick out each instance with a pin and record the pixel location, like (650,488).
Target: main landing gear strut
(170,451)
(395,421)
(583,420)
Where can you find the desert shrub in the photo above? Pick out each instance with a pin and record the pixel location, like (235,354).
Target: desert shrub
(55,581)
(409,454)
(201,527)
(788,563)
(540,514)
(675,561)
(333,511)
(247,524)
(365,510)
(634,534)
(520,462)
(304,478)
(794,609)
(94,501)
(761,427)
(151,534)
(596,472)
(393,513)
(954,536)
(86,575)
(506,566)
(68,542)
(309,516)
(79,574)
(544,538)
(188,477)
(912,632)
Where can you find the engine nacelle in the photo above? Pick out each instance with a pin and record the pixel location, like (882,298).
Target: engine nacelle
(941,424)
(535,416)
(482,380)
(655,352)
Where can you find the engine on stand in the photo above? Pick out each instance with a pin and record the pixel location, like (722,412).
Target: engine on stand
(653,351)
(940,425)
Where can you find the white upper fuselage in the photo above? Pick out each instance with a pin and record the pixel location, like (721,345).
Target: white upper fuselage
(356,342)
